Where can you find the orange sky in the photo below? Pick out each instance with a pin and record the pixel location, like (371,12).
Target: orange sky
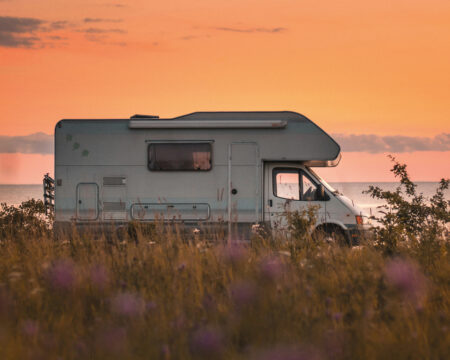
(353,67)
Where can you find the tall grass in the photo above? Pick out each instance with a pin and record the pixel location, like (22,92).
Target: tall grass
(154,295)
(165,298)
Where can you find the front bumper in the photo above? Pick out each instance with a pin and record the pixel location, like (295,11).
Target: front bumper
(357,234)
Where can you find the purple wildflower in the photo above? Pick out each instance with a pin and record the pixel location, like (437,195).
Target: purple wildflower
(406,277)
(30,328)
(81,349)
(49,342)
(209,303)
(292,352)
(6,303)
(243,293)
(235,254)
(99,276)
(271,268)
(207,342)
(337,316)
(151,305)
(178,323)
(333,344)
(165,351)
(128,305)
(62,275)
(112,340)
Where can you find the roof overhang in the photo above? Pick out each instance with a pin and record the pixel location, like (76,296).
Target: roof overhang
(323,163)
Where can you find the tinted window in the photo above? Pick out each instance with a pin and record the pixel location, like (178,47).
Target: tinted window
(179,156)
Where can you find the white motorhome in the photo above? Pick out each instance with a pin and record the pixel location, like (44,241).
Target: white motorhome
(231,168)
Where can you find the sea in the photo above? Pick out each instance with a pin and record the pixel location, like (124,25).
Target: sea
(16,194)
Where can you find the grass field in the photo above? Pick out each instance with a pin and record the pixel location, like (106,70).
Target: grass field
(160,296)
(165,298)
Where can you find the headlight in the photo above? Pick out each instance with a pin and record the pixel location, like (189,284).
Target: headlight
(359,220)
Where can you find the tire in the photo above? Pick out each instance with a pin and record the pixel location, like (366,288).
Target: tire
(332,234)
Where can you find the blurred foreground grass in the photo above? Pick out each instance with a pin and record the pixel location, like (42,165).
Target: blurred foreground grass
(170,299)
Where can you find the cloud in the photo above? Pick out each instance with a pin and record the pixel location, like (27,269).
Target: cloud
(24,32)
(19,32)
(189,37)
(240,30)
(101,20)
(117,5)
(9,40)
(102,31)
(274,30)
(57,37)
(32,33)
(58,25)
(392,144)
(38,143)
(104,40)
(102,36)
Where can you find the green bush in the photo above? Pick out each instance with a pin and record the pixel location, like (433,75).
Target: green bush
(28,219)
(408,216)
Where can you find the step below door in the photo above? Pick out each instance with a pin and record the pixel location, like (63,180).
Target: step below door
(243,187)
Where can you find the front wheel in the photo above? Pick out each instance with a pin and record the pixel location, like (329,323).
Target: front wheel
(331,234)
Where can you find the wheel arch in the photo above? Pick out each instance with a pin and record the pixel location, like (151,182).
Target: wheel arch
(330,224)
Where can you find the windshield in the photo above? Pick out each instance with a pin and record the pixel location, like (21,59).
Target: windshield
(322,181)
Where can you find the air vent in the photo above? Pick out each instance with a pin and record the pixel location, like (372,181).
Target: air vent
(114,180)
(113,206)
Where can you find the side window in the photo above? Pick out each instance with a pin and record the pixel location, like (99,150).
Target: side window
(286,184)
(179,156)
(309,189)
(294,184)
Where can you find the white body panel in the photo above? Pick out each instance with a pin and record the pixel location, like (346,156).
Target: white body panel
(108,159)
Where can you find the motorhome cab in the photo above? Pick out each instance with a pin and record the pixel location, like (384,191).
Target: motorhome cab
(232,168)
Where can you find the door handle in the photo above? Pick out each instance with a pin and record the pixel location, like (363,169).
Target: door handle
(270,202)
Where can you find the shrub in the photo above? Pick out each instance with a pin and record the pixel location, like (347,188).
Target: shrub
(410,216)
(29,218)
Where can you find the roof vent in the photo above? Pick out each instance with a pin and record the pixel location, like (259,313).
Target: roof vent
(139,116)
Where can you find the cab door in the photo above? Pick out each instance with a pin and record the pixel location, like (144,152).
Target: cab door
(289,188)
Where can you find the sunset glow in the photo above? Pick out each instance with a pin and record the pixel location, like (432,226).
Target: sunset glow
(352,67)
